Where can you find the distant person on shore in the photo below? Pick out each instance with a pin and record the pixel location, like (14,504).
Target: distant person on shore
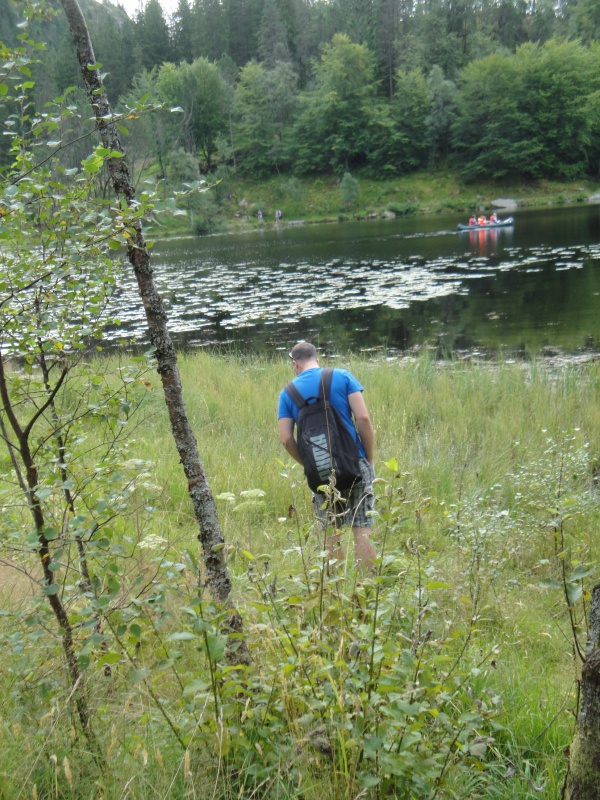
(346,397)
(259,215)
(278,216)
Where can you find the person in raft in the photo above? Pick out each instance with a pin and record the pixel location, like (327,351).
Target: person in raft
(482,220)
(494,218)
(473,220)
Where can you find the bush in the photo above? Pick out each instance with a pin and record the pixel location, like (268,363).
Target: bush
(204,213)
(403,209)
(349,190)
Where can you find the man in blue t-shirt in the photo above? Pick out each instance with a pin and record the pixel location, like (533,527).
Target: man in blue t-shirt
(346,397)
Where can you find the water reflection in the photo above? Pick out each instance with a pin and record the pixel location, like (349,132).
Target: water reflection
(486,241)
(396,285)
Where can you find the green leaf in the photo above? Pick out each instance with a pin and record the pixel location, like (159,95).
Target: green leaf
(580,571)
(195,687)
(216,646)
(3,89)
(181,636)
(109,658)
(574,592)
(478,750)
(550,584)
(137,675)
(260,606)
(438,585)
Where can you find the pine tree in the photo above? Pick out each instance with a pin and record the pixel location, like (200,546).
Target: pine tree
(181,33)
(152,35)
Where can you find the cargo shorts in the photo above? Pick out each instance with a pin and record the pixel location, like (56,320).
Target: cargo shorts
(358,505)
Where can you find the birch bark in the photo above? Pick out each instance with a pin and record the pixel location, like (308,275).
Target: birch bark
(584,776)
(210,536)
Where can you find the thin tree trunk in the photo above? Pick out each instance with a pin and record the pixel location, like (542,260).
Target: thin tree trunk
(584,777)
(210,535)
(29,482)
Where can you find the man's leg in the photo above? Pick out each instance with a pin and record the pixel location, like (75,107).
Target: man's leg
(335,547)
(364,552)
(362,505)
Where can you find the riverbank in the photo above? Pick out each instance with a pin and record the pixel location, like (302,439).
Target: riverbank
(234,203)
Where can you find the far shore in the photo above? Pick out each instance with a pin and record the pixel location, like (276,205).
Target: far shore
(318,200)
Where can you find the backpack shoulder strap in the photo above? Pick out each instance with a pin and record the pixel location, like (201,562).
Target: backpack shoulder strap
(294,395)
(325,383)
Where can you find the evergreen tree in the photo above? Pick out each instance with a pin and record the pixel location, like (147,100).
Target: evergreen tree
(585,21)
(181,33)
(264,106)
(441,98)
(243,23)
(153,35)
(411,109)
(209,25)
(272,36)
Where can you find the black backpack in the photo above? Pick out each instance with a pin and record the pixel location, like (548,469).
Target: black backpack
(324,441)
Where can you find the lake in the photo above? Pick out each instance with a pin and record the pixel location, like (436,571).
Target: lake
(396,285)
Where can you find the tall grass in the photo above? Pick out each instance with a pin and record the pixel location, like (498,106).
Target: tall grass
(496,466)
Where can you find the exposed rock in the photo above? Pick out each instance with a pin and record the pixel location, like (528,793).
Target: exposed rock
(505,202)
(594,198)
(388,215)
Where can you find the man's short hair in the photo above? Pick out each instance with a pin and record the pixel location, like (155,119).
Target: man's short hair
(303,351)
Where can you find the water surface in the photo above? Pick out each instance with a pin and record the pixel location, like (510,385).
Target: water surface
(393,284)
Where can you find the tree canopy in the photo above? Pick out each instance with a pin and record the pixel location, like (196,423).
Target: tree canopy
(389,86)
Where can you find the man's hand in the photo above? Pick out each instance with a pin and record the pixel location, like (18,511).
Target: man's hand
(286,437)
(363,424)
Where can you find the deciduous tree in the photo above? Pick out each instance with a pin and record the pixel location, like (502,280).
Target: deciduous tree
(203,503)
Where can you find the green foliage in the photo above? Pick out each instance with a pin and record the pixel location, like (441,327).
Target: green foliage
(263,106)
(528,113)
(465,594)
(199,90)
(330,130)
(204,213)
(349,190)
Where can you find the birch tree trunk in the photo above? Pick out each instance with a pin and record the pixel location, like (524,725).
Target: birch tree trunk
(210,536)
(584,777)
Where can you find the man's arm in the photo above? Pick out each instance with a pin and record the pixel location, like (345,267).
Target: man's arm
(363,423)
(286,437)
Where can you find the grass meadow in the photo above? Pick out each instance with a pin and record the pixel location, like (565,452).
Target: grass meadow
(452,672)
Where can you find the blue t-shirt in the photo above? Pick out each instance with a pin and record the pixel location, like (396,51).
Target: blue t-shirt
(307,383)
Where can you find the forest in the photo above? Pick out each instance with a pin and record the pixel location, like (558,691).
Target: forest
(495,88)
